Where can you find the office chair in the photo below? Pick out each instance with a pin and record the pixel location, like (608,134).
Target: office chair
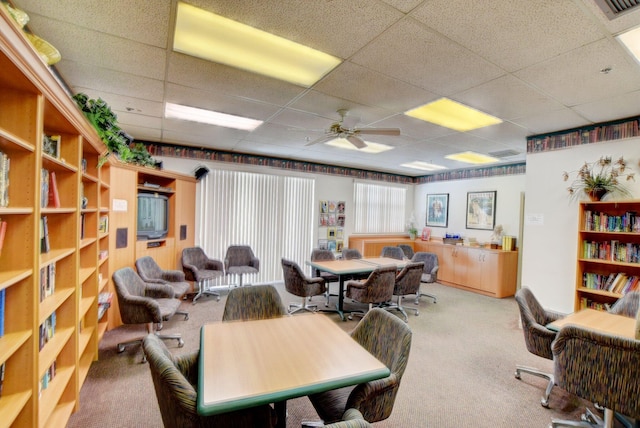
(627,305)
(298,284)
(240,261)
(149,271)
(430,271)
(324,255)
(352,418)
(253,303)
(392,252)
(407,250)
(387,338)
(407,282)
(201,269)
(351,253)
(537,336)
(175,380)
(144,303)
(376,289)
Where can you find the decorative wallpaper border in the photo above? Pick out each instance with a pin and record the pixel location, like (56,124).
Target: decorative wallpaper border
(606,131)
(180,151)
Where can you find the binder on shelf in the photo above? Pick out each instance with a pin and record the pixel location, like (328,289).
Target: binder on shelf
(44,235)
(3,297)
(4,179)
(3,233)
(54,196)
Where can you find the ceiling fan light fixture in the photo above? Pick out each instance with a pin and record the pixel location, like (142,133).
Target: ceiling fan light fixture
(472,158)
(631,41)
(373,148)
(453,115)
(194,114)
(425,166)
(215,38)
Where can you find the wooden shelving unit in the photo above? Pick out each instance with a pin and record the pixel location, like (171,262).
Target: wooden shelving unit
(33,104)
(608,243)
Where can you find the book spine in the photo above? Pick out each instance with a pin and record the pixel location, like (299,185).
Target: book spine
(3,297)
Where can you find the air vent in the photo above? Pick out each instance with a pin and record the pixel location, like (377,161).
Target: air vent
(616,8)
(504,153)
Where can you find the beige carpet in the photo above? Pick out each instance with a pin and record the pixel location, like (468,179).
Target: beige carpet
(460,371)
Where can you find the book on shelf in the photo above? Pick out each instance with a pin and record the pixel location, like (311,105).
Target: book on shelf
(51,145)
(2,369)
(103,224)
(44,188)
(4,179)
(44,235)
(3,233)
(47,281)
(82,225)
(104,303)
(3,298)
(54,195)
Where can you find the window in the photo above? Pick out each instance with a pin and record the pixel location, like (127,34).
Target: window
(272,214)
(378,208)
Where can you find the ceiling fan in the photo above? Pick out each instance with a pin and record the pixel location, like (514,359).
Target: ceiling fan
(341,130)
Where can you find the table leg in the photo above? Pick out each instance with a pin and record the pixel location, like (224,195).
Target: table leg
(281,413)
(340,306)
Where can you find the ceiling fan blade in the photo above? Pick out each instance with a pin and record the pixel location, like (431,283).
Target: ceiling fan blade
(357,141)
(378,131)
(322,139)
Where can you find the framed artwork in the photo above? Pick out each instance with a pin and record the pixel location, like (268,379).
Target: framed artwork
(481,210)
(438,210)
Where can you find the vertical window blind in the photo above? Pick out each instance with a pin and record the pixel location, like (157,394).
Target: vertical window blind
(379,209)
(272,214)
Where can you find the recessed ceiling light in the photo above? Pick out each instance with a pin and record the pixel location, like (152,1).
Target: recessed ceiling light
(472,157)
(343,143)
(631,40)
(423,166)
(453,115)
(215,38)
(193,114)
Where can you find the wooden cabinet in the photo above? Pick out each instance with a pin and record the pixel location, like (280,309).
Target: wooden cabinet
(49,264)
(608,262)
(371,245)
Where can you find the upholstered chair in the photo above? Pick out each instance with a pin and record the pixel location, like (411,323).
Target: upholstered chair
(253,303)
(429,273)
(407,283)
(351,253)
(599,368)
(627,305)
(407,250)
(352,418)
(392,252)
(175,380)
(144,303)
(387,338)
(376,289)
(298,284)
(324,255)
(201,269)
(241,261)
(537,336)
(149,271)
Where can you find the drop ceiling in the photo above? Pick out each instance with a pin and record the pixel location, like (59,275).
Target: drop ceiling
(538,65)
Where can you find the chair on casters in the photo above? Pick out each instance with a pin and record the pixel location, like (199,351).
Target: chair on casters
(627,305)
(240,261)
(201,269)
(407,282)
(149,271)
(144,303)
(537,336)
(253,303)
(298,284)
(388,339)
(350,254)
(376,289)
(324,255)
(600,368)
(392,252)
(407,250)
(430,271)
(175,380)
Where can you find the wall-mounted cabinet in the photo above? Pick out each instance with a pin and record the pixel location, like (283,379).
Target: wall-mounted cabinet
(49,265)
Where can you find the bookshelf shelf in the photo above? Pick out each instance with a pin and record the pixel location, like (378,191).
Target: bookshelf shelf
(49,396)
(11,405)
(10,342)
(13,276)
(52,349)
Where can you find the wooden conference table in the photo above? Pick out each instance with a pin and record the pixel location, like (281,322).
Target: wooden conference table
(602,321)
(354,268)
(249,363)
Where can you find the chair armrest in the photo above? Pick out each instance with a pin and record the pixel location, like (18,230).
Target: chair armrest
(352,418)
(188,366)
(355,284)
(553,316)
(139,310)
(173,276)
(314,280)
(362,394)
(158,290)
(255,263)
(435,270)
(213,264)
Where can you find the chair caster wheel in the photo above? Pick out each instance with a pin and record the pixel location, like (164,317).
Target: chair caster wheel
(186,317)
(180,343)
(120,348)
(350,317)
(218,299)
(517,375)
(544,403)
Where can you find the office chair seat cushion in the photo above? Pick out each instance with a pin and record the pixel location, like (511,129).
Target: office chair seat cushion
(168,307)
(240,270)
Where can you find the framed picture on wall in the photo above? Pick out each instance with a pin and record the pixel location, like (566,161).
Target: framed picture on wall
(438,210)
(481,210)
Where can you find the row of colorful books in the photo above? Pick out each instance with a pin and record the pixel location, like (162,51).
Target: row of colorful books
(49,194)
(603,222)
(44,235)
(47,330)
(612,250)
(4,179)
(47,378)
(619,282)
(586,303)
(47,281)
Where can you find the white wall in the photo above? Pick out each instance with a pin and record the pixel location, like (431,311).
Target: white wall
(551,219)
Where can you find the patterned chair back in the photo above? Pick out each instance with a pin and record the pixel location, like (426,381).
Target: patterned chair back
(407,250)
(408,280)
(351,253)
(534,318)
(392,252)
(627,305)
(148,268)
(430,260)
(378,286)
(194,256)
(253,303)
(239,255)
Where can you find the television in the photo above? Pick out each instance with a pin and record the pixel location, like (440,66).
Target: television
(153,216)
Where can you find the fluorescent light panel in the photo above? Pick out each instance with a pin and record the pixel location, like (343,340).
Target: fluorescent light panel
(453,115)
(631,40)
(472,157)
(193,114)
(215,38)
(425,166)
(374,148)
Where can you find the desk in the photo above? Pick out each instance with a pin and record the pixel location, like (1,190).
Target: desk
(348,269)
(605,322)
(248,363)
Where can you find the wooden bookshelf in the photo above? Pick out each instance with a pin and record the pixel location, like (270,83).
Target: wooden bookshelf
(33,105)
(608,245)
